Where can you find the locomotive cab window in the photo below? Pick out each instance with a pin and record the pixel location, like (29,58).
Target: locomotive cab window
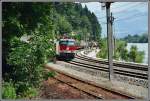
(69,43)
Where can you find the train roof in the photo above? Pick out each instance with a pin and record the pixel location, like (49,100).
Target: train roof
(67,40)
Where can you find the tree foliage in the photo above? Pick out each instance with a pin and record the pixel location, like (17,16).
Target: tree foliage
(136,56)
(44,22)
(103,53)
(121,52)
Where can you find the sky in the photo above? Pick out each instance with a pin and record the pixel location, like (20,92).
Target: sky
(130,17)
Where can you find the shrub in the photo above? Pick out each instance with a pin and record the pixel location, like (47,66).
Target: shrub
(103,53)
(8,91)
(30,92)
(27,59)
(49,74)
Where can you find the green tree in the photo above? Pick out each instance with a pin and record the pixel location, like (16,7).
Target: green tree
(135,56)
(139,57)
(121,53)
(121,50)
(64,25)
(103,53)
(124,54)
(27,61)
(133,53)
(23,62)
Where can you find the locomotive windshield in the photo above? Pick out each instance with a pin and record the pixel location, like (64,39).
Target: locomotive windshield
(69,43)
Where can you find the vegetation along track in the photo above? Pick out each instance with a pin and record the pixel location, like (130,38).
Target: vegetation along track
(106,69)
(92,90)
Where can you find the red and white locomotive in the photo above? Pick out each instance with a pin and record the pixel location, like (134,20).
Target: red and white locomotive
(65,48)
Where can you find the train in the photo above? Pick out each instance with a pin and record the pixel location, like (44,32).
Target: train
(66,48)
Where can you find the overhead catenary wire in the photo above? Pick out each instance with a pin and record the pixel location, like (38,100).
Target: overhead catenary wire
(131,17)
(127,8)
(127,18)
(127,5)
(122,11)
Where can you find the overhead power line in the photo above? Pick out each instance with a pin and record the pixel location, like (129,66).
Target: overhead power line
(125,8)
(127,5)
(122,11)
(126,18)
(133,16)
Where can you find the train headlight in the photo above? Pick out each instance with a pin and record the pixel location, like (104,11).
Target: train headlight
(67,48)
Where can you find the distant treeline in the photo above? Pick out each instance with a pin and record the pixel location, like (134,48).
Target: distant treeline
(136,38)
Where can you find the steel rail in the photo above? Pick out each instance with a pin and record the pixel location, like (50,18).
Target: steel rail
(90,83)
(78,88)
(121,72)
(118,64)
(105,66)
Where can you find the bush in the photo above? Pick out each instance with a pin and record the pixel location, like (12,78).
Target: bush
(49,74)
(140,57)
(26,60)
(8,91)
(30,92)
(121,53)
(103,53)
(135,55)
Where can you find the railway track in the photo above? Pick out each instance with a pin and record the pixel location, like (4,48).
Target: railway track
(92,90)
(119,64)
(121,72)
(105,68)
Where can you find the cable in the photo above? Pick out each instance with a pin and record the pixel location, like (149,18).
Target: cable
(120,6)
(126,18)
(135,15)
(122,11)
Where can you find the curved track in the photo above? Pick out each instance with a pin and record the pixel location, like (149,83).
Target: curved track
(124,69)
(119,64)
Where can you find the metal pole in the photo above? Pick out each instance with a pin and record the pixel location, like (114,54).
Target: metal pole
(149,47)
(109,41)
(112,36)
(114,39)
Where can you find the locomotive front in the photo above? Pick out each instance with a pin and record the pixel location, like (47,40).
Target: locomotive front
(66,48)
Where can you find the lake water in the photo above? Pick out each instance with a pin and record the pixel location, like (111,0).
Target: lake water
(141,47)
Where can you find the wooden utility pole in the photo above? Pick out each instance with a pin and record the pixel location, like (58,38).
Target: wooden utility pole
(109,40)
